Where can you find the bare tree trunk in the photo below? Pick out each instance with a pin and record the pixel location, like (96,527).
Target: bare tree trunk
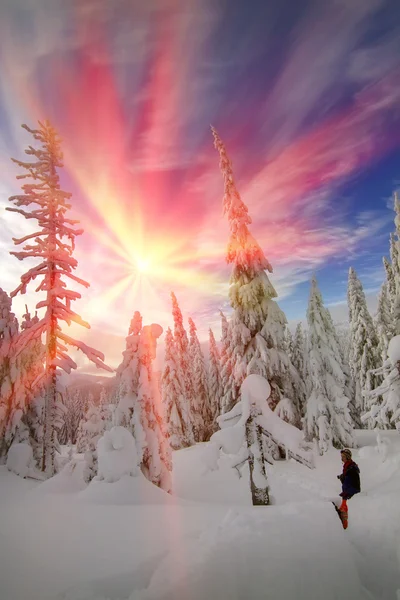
(260,496)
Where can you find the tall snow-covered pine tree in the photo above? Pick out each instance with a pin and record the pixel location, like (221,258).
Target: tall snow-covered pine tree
(177,417)
(139,402)
(53,244)
(257,327)
(363,340)
(327,418)
(182,353)
(200,407)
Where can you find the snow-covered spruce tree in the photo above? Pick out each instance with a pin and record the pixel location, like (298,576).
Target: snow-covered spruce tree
(257,328)
(215,389)
(230,389)
(105,408)
(201,405)
(383,402)
(19,371)
(343,343)
(178,424)
(8,337)
(289,343)
(127,378)
(363,340)
(299,361)
(139,405)
(395,260)
(30,368)
(383,323)
(52,244)
(75,407)
(182,351)
(327,418)
(91,430)
(390,282)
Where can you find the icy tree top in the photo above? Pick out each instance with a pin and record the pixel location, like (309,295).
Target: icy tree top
(243,250)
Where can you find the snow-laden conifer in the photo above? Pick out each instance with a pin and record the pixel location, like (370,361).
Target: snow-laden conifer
(363,340)
(139,402)
(289,343)
(257,328)
(91,430)
(177,416)
(383,402)
(201,407)
(76,409)
(230,388)
(52,244)
(299,360)
(343,340)
(390,283)
(395,264)
(105,407)
(182,352)
(30,366)
(20,370)
(8,337)
(383,323)
(327,418)
(215,390)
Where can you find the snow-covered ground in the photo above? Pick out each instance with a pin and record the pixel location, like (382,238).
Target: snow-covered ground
(130,540)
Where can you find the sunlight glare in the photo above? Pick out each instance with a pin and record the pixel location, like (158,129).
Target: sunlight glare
(143,265)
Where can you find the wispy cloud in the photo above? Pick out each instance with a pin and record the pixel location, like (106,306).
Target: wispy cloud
(133,87)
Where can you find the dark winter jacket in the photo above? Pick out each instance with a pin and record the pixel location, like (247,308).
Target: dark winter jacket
(350,479)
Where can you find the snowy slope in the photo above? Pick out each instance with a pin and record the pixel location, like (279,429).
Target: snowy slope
(210,545)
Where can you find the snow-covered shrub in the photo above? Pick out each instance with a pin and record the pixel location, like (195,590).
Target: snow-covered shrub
(20,459)
(117,455)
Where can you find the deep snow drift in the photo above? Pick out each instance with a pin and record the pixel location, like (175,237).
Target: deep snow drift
(130,540)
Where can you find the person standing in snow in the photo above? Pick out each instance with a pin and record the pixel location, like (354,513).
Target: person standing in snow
(350,478)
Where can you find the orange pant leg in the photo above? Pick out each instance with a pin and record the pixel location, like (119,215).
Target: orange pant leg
(344,514)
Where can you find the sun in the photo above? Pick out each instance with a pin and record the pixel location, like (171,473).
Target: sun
(143,265)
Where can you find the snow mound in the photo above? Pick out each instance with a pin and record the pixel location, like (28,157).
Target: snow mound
(367,452)
(68,481)
(394,349)
(117,455)
(127,490)
(20,460)
(256,386)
